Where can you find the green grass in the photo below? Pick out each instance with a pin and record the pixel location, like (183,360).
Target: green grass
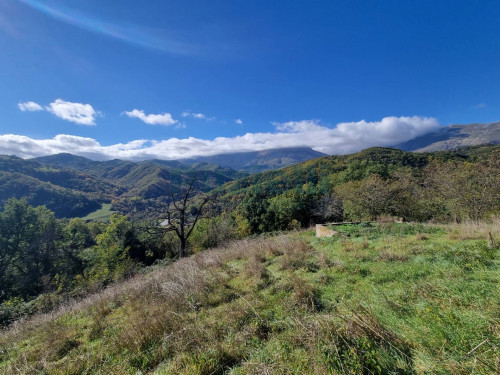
(102,214)
(380,299)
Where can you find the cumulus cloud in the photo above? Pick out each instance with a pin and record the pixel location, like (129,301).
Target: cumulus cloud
(82,114)
(238,121)
(30,107)
(341,139)
(152,119)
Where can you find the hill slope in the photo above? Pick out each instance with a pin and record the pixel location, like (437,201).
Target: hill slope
(132,187)
(362,186)
(455,136)
(68,193)
(389,299)
(332,170)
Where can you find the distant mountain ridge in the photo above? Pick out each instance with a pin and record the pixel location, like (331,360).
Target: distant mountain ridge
(75,186)
(453,137)
(249,162)
(260,161)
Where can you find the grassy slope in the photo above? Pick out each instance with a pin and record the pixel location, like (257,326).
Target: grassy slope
(102,214)
(398,298)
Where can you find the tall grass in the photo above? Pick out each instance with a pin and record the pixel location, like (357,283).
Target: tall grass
(475,230)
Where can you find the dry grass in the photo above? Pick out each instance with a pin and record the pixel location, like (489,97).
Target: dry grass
(256,269)
(334,344)
(348,245)
(390,256)
(421,237)
(324,261)
(304,295)
(362,322)
(475,230)
(364,245)
(295,256)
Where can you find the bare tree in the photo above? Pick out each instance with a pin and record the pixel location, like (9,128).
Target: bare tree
(328,208)
(183,212)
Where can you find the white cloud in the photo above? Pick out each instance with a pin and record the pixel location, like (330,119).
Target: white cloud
(480,106)
(30,107)
(342,139)
(200,116)
(152,119)
(82,114)
(238,121)
(26,147)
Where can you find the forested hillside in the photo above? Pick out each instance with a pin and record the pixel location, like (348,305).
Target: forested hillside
(358,186)
(451,185)
(145,184)
(73,186)
(68,193)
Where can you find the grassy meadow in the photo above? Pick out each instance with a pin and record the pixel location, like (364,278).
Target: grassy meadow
(102,214)
(376,299)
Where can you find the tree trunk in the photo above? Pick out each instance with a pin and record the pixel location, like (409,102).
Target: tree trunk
(182,250)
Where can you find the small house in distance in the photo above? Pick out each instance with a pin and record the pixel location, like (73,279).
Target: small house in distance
(165,223)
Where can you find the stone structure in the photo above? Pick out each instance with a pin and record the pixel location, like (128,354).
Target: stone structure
(322,231)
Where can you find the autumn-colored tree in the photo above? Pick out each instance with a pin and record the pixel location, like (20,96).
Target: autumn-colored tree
(467,190)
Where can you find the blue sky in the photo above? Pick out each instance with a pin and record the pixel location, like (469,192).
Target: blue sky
(173,79)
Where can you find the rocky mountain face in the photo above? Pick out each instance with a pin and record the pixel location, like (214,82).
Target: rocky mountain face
(453,137)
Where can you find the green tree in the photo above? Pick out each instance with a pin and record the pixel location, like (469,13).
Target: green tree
(28,248)
(109,259)
(367,198)
(254,208)
(77,236)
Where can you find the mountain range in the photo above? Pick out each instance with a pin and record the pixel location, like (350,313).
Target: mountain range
(453,137)
(72,185)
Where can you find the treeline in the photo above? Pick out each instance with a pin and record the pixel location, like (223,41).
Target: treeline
(447,186)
